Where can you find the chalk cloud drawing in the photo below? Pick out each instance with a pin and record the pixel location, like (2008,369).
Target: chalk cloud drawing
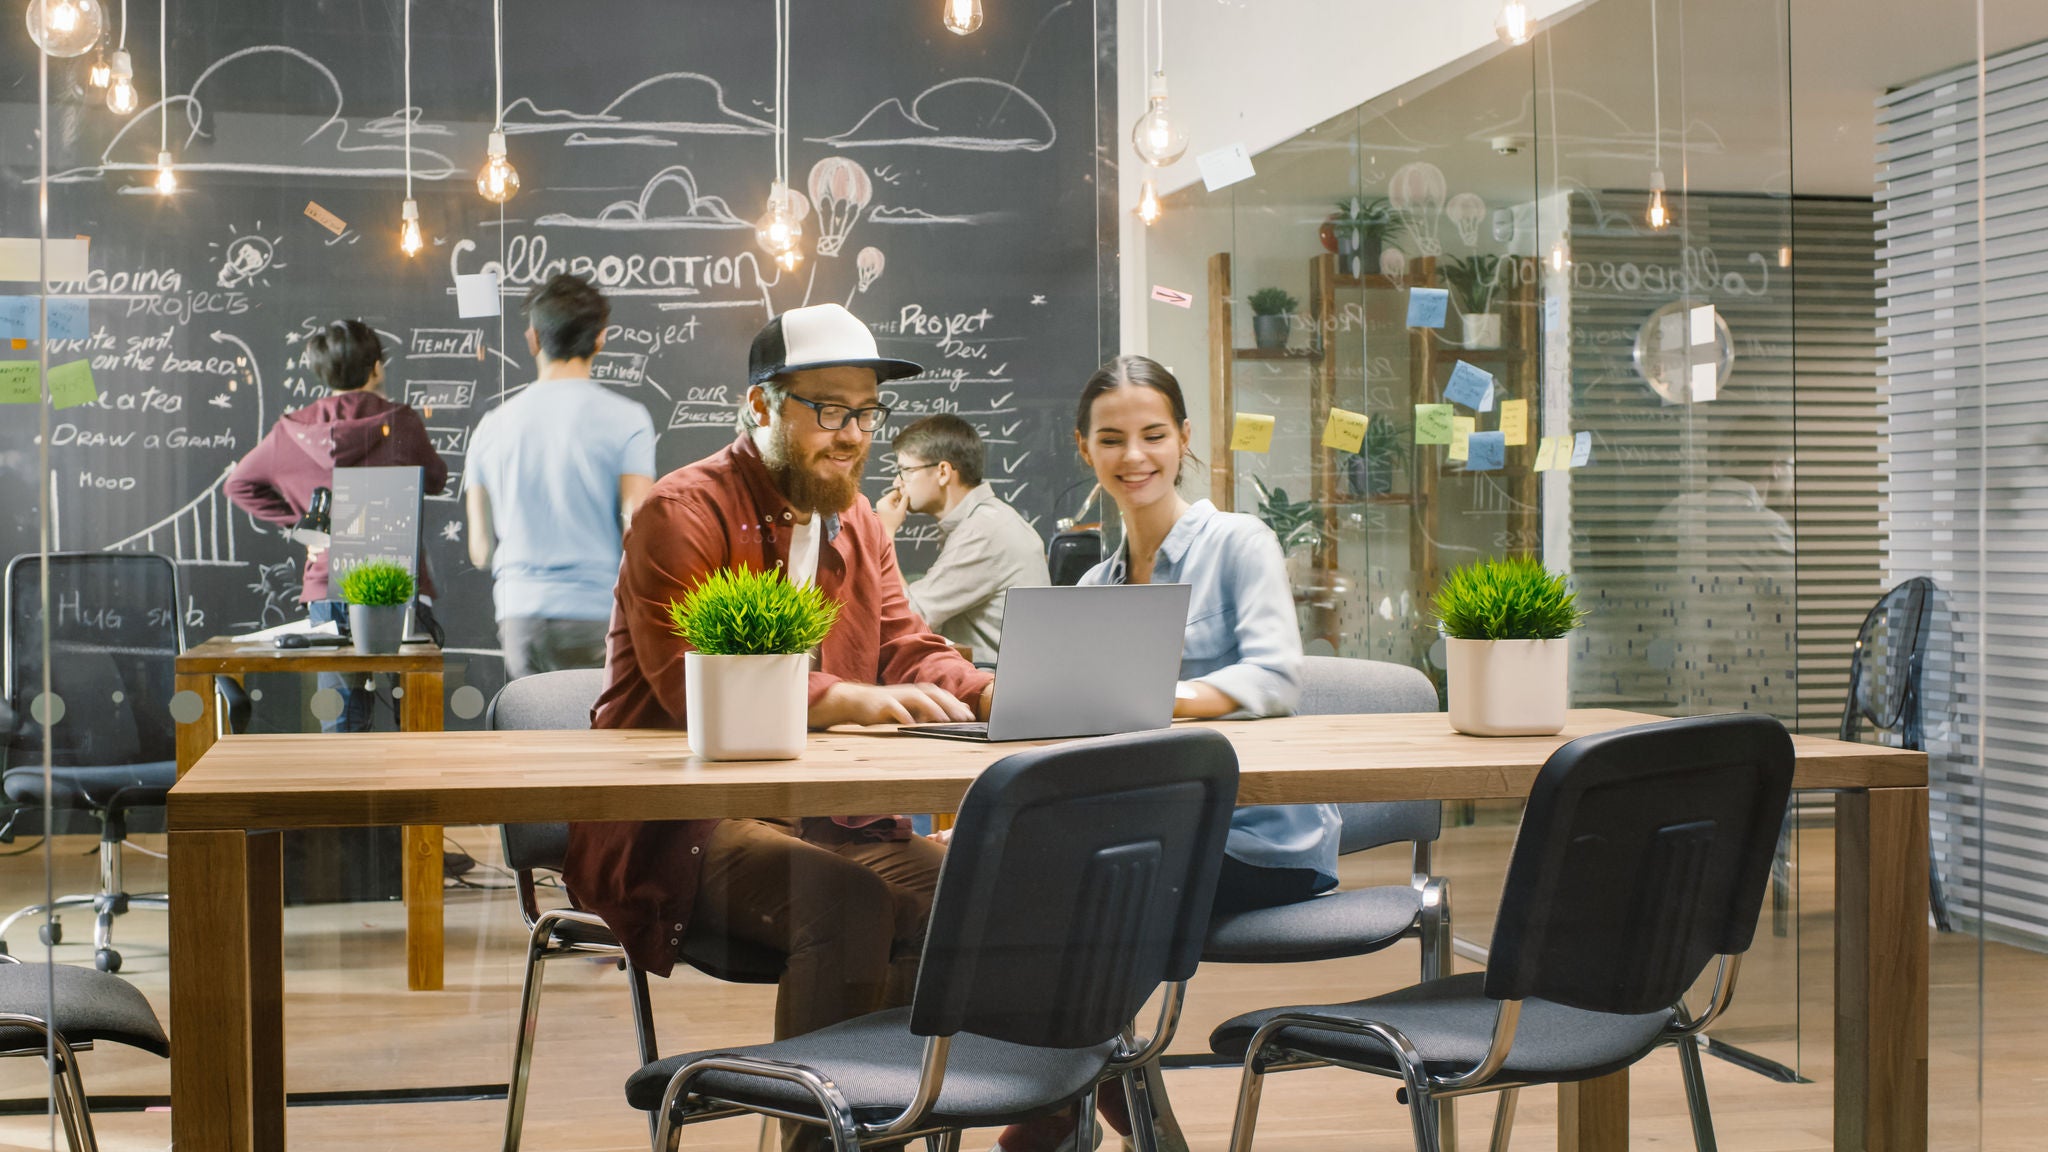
(1586,129)
(646,114)
(970,114)
(327,150)
(884,214)
(669,201)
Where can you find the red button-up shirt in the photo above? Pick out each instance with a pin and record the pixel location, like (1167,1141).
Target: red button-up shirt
(720,512)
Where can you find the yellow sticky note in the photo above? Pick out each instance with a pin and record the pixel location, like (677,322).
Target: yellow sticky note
(71,385)
(1432,423)
(1251,432)
(1462,428)
(1514,422)
(1345,431)
(1546,453)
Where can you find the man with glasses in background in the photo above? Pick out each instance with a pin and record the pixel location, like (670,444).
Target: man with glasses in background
(844,897)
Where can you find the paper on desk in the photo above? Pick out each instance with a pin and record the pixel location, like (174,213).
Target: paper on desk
(290,628)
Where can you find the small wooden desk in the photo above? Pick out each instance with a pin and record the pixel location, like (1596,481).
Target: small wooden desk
(418,667)
(227,980)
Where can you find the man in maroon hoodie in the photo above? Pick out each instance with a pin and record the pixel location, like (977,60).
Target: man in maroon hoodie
(354,427)
(845,897)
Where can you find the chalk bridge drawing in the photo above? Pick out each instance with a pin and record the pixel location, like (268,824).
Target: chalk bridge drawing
(647,114)
(645,215)
(969,114)
(328,150)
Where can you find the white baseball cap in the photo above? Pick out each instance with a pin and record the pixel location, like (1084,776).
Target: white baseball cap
(820,336)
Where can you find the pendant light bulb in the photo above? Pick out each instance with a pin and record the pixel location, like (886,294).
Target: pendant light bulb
(1659,215)
(409,241)
(789,259)
(101,74)
(1514,25)
(1148,203)
(497,181)
(1560,256)
(780,230)
(1158,139)
(122,98)
(963,17)
(166,175)
(64,27)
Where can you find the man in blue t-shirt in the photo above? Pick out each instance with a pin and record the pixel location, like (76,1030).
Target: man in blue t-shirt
(553,476)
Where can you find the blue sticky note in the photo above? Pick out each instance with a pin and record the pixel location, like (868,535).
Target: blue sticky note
(70,319)
(1427,307)
(17,317)
(1582,449)
(1472,387)
(1486,451)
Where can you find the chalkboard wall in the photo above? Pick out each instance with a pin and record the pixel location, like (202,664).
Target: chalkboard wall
(959,195)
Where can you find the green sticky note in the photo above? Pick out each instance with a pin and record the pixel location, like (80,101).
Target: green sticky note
(71,385)
(18,382)
(1432,423)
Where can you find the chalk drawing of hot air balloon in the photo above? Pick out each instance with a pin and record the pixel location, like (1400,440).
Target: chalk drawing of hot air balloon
(869,263)
(1394,264)
(1466,211)
(1417,193)
(840,190)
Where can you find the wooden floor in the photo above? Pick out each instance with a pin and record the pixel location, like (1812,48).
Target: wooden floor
(352,1027)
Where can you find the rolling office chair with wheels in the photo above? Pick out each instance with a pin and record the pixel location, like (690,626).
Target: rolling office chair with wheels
(115,635)
(89,1007)
(553,700)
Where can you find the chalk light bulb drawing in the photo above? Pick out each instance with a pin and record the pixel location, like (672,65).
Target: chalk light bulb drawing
(409,241)
(122,98)
(1148,203)
(64,27)
(497,181)
(1514,25)
(1659,216)
(1158,138)
(101,74)
(963,17)
(166,175)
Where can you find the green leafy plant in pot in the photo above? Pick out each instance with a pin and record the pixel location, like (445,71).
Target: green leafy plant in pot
(377,594)
(1505,623)
(1473,282)
(1364,225)
(746,680)
(1371,472)
(1272,316)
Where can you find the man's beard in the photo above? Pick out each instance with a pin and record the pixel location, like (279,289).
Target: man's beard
(806,490)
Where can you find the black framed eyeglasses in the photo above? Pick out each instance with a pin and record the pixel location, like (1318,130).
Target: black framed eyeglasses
(833,417)
(907,469)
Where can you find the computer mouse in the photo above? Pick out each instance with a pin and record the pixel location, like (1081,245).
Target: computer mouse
(294,640)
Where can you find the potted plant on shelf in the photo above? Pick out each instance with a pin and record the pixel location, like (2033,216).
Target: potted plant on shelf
(1372,472)
(1272,315)
(746,690)
(1505,623)
(1298,524)
(1363,228)
(1472,281)
(377,594)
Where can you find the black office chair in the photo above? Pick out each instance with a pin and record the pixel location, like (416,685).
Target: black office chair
(1078,882)
(1642,855)
(553,700)
(1071,554)
(88,1007)
(114,642)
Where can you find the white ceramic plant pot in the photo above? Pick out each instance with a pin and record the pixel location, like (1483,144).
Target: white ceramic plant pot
(746,707)
(1482,331)
(1508,687)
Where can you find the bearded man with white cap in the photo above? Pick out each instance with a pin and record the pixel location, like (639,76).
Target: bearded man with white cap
(845,897)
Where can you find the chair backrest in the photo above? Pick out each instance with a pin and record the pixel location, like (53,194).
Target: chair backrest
(547,700)
(1642,855)
(1079,879)
(1071,554)
(115,633)
(1334,686)
(1885,668)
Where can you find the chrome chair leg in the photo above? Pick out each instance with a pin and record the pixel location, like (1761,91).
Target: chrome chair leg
(1247,1118)
(529,1023)
(1154,1127)
(1696,1093)
(1438,958)
(1085,1122)
(1504,1119)
(78,1122)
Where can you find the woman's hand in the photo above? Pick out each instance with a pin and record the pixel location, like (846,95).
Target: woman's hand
(1194,700)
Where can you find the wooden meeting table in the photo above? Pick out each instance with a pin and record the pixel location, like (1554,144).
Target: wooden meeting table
(227,973)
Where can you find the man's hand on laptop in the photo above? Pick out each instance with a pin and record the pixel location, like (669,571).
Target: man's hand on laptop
(850,703)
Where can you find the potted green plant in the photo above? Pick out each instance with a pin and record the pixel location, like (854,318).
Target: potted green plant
(1472,282)
(1364,225)
(746,678)
(1272,316)
(1298,524)
(1372,471)
(1504,622)
(377,593)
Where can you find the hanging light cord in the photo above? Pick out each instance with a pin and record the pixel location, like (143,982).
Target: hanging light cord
(782,92)
(1159,37)
(163,70)
(407,112)
(1656,89)
(498,60)
(123,45)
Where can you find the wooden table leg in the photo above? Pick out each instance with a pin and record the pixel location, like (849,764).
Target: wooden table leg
(227,991)
(1592,1115)
(195,738)
(420,711)
(1881,970)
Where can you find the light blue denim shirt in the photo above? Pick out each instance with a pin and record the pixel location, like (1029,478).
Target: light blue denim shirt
(1243,640)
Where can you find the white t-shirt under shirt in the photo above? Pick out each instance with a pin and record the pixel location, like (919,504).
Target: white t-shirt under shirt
(803,551)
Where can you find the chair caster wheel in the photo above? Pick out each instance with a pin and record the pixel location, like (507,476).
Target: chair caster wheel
(106,960)
(51,933)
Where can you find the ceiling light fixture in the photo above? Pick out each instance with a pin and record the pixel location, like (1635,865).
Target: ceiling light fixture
(1514,25)
(166,176)
(963,17)
(1658,215)
(409,240)
(1158,140)
(497,181)
(65,27)
(780,230)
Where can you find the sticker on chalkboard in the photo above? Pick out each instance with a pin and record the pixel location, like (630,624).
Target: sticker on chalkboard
(476,295)
(1172,296)
(325,219)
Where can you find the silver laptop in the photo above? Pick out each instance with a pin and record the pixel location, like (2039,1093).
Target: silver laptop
(1082,662)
